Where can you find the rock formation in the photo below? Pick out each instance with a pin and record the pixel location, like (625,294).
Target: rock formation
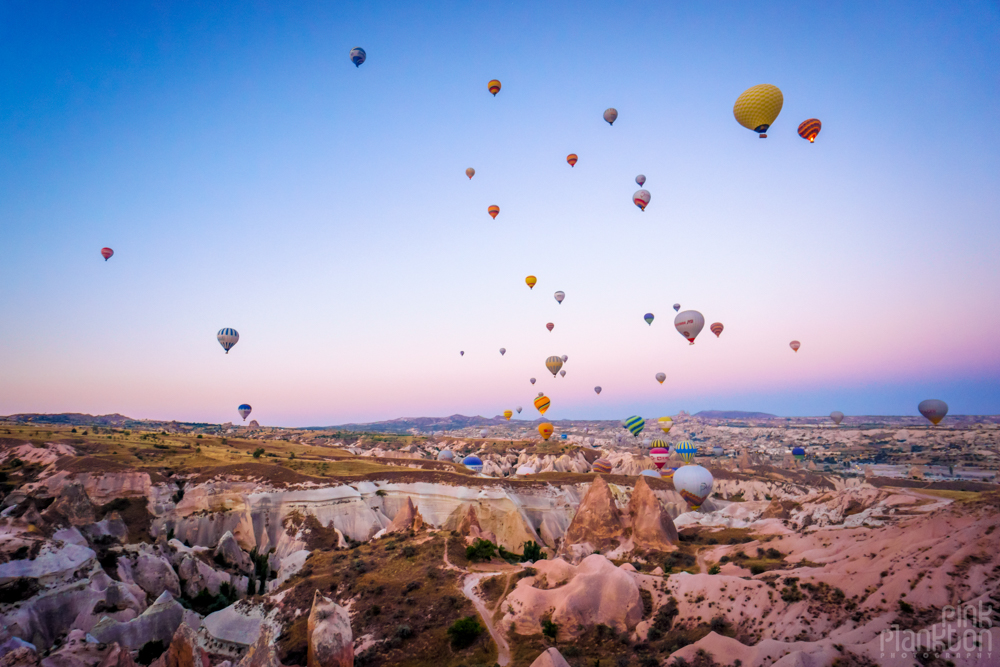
(652,527)
(262,653)
(408,518)
(183,651)
(331,643)
(228,551)
(550,658)
(598,523)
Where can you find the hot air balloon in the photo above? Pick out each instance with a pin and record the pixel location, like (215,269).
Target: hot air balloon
(562,373)
(227,338)
(598,390)
(532,380)
(473,463)
(837,417)
(757,107)
(446,455)
(524,471)
(559,296)
(798,453)
(668,473)
(508,414)
(718,451)
(686,450)
(106,253)
(694,483)
(494,87)
(795,345)
(545,429)
(358,56)
(554,363)
(244,411)
(659,453)
(602,467)
(808,129)
(494,211)
(542,403)
(541,393)
(518,408)
(470,172)
(640,179)
(716,328)
(641,199)
(665,423)
(461,353)
(635,424)
(933,409)
(649,318)
(503,351)
(611,115)
(677,307)
(649,472)
(647,441)
(689,324)
(565,358)
(550,326)
(531,280)
(572,158)
(660,377)
(483,433)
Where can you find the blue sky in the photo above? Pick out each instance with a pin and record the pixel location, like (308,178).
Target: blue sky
(248,175)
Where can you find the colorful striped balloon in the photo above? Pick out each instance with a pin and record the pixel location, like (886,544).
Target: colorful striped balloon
(508,414)
(686,450)
(667,473)
(716,328)
(494,86)
(635,424)
(808,129)
(659,453)
(602,466)
(494,211)
(227,338)
(531,280)
(665,423)
(554,363)
(244,410)
(358,56)
(542,403)
(641,199)
(649,318)
(571,158)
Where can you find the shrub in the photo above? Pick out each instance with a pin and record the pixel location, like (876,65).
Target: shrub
(404,631)
(257,453)
(905,607)
(150,651)
(532,552)
(199,436)
(757,568)
(480,550)
(381,493)
(549,628)
(464,632)
(715,569)
(409,551)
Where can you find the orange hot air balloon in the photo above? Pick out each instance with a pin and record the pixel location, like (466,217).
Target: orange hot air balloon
(494,211)
(550,326)
(494,87)
(508,414)
(571,158)
(808,129)
(546,430)
(716,328)
(531,280)
(542,403)
(470,172)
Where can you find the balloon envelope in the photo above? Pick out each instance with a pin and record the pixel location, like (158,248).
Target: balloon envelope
(641,180)
(635,424)
(665,423)
(562,373)
(677,307)
(518,408)
(358,56)
(461,353)
(244,410)
(554,363)
(542,403)
(560,296)
(446,455)
(795,345)
(483,433)
(758,107)
(716,328)
(686,450)
(933,409)
(523,471)
(641,199)
(798,453)
(572,158)
(550,326)
(508,414)
(494,211)
(694,483)
(598,390)
(565,358)
(808,129)
(532,380)
(718,451)
(660,454)
(493,86)
(227,338)
(602,466)
(106,253)
(545,429)
(837,416)
(473,463)
(689,324)
(648,317)
(531,280)
(503,351)
(660,377)
(650,473)
(611,115)
(470,172)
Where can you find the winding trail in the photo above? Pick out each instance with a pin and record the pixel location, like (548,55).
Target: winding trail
(469,584)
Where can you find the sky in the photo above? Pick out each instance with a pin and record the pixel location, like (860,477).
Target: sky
(248,175)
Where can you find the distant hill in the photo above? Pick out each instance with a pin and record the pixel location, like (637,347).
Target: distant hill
(80,419)
(733,414)
(404,424)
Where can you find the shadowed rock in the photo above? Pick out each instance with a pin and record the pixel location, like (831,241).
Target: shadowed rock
(408,518)
(598,522)
(229,552)
(331,643)
(183,651)
(550,658)
(652,527)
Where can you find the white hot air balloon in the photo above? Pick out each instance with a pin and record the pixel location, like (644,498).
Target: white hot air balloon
(641,199)
(560,296)
(483,433)
(518,408)
(611,115)
(837,416)
(227,338)
(446,455)
(694,483)
(933,409)
(524,471)
(641,180)
(541,393)
(562,373)
(503,351)
(565,358)
(647,441)
(689,324)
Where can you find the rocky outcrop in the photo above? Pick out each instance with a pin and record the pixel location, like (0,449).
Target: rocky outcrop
(199,575)
(652,527)
(550,658)
(152,572)
(469,527)
(16,652)
(262,653)
(598,523)
(228,551)
(54,562)
(117,656)
(159,622)
(108,530)
(72,506)
(183,651)
(408,518)
(238,625)
(331,643)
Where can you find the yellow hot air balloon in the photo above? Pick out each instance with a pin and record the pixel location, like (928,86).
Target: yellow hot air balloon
(758,107)
(554,363)
(665,423)
(494,86)
(494,211)
(542,403)
(508,414)
(531,280)
(572,158)
(546,430)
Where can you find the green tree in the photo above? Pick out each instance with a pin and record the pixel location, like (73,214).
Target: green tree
(464,632)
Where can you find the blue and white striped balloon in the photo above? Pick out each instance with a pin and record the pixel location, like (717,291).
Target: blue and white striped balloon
(227,338)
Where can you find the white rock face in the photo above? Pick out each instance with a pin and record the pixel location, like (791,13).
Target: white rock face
(152,572)
(159,622)
(230,553)
(550,658)
(238,624)
(53,563)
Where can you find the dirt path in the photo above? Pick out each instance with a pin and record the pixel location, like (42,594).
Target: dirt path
(469,584)
(702,565)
